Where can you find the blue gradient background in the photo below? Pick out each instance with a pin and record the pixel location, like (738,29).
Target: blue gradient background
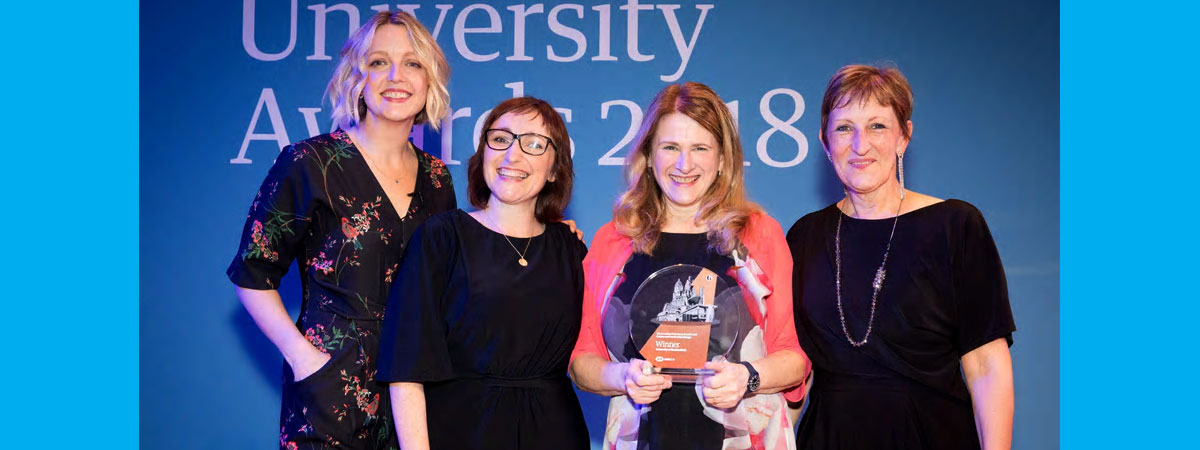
(986,130)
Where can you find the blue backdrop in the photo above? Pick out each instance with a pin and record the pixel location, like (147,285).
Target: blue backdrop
(226,84)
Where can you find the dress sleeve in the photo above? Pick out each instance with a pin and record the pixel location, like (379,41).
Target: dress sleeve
(413,344)
(795,242)
(779,330)
(442,184)
(275,227)
(980,287)
(591,339)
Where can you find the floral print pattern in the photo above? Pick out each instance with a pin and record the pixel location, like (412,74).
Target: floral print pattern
(438,173)
(321,206)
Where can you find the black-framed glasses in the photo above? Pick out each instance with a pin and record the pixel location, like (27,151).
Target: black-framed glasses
(532,144)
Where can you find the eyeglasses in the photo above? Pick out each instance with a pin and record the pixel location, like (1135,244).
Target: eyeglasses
(532,144)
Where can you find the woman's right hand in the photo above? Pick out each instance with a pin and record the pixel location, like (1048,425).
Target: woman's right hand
(641,384)
(308,364)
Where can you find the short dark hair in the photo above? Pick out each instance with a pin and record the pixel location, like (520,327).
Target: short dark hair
(553,199)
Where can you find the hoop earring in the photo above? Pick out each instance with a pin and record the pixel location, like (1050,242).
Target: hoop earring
(900,163)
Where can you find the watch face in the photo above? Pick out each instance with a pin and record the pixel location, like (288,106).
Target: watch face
(754,380)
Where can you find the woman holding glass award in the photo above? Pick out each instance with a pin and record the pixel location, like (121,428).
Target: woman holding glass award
(485,309)
(687,315)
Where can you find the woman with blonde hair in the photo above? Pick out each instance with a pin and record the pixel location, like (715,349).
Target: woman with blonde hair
(900,297)
(343,205)
(686,208)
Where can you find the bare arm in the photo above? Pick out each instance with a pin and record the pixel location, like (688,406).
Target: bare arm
(988,371)
(779,371)
(597,375)
(408,411)
(272,318)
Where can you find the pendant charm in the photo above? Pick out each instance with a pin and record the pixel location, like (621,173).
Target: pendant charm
(522,262)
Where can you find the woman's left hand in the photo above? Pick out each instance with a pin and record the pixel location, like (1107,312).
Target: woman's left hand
(574,229)
(725,388)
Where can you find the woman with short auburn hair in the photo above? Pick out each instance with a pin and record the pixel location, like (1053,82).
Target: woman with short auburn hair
(900,297)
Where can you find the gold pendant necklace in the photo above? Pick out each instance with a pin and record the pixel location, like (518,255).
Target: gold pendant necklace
(520,260)
(521,255)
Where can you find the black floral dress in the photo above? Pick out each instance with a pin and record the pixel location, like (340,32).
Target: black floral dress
(321,206)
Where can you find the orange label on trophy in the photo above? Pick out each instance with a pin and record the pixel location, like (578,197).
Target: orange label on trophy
(678,345)
(680,317)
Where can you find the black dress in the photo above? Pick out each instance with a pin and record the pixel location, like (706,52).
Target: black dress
(489,339)
(944,295)
(321,206)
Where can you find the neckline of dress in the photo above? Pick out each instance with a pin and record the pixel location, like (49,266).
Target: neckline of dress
(691,235)
(923,208)
(481,225)
(412,202)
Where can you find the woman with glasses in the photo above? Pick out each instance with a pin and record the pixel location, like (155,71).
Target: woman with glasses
(486,306)
(685,212)
(342,206)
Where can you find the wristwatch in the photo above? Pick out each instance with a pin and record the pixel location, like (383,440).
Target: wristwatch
(753,382)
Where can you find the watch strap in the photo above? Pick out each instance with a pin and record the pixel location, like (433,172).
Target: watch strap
(754,380)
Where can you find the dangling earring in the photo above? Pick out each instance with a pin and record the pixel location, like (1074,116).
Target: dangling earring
(900,158)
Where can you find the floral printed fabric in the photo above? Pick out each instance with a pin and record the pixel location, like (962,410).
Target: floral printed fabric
(322,207)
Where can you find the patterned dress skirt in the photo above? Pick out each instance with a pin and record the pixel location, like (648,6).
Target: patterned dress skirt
(340,406)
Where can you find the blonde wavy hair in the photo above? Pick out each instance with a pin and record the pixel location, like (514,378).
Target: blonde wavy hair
(349,79)
(640,210)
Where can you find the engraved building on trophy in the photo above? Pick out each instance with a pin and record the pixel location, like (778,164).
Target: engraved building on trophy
(686,305)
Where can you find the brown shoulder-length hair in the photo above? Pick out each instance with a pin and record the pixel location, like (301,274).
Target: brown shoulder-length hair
(861,83)
(350,78)
(555,195)
(640,210)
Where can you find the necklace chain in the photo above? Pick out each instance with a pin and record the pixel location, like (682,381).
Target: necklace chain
(522,261)
(371,162)
(876,285)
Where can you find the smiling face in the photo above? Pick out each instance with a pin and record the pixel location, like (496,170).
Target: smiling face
(686,158)
(864,140)
(396,84)
(513,176)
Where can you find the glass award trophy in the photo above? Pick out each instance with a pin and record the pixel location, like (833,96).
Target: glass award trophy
(679,318)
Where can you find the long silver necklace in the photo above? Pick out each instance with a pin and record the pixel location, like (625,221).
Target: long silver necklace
(880,274)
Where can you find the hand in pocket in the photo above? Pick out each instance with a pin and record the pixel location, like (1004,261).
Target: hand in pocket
(310,364)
